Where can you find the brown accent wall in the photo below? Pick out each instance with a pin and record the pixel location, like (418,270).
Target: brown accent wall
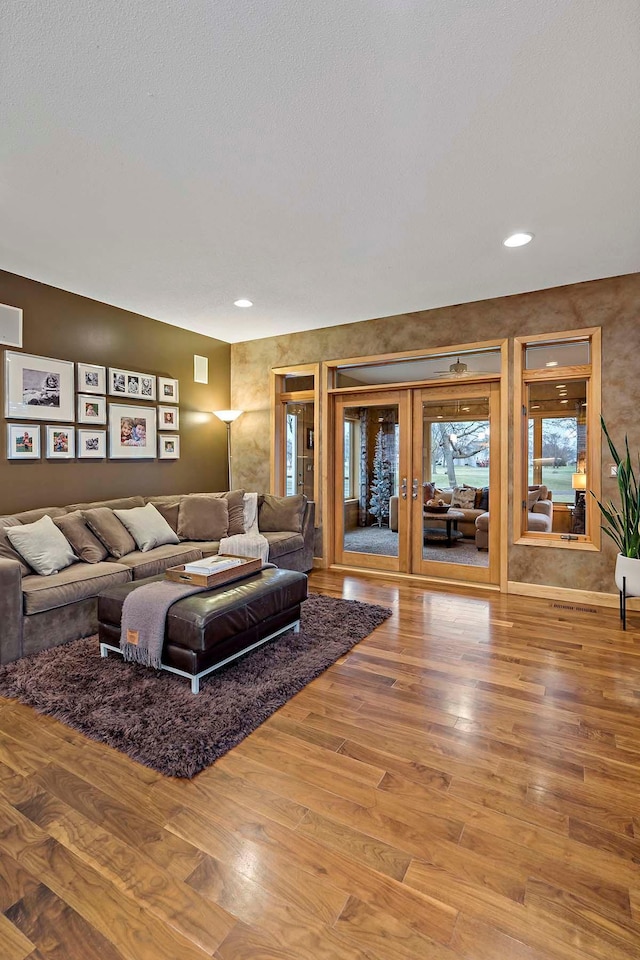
(613,304)
(69,327)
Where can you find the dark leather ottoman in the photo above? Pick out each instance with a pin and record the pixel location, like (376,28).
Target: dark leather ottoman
(209,629)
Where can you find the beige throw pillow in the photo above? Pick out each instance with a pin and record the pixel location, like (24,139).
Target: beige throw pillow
(148,528)
(43,546)
(203,517)
(107,528)
(235,504)
(463,497)
(84,543)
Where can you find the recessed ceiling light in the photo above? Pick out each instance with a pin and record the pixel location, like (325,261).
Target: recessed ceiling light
(535,406)
(551,363)
(564,401)
(518,240)
(561,386)
(243,303)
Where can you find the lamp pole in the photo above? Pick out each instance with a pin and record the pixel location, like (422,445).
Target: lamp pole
(227,417)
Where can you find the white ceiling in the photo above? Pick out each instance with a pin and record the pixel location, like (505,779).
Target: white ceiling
(332,161)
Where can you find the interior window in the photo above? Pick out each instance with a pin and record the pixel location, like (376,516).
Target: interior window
(559,401)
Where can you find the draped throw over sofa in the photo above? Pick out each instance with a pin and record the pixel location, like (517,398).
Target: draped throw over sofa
(115,541)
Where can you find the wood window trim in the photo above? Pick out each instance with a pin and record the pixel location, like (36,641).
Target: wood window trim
(522,377)
(279,398)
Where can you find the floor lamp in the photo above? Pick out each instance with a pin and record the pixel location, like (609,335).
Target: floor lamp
(228,416)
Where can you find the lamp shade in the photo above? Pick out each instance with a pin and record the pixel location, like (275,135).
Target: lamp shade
(227,416)
(579,481)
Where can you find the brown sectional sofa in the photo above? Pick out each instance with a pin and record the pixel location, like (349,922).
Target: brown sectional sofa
(38,612)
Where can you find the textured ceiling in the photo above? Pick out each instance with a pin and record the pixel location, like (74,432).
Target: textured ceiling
(331,161)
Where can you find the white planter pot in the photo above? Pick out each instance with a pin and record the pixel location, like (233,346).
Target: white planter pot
(629,568)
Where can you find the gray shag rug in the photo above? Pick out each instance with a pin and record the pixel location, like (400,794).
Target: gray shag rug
(153,717)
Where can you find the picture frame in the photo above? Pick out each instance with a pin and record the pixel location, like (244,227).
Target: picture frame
(61,442)
(168,418)
(132,432)
(38,388)
(91,444)
(168,447)
(168,390)
(128,384)
(91,378)
(91,408)
(23,441)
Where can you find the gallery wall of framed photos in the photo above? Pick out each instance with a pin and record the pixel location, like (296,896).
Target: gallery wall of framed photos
(99,403)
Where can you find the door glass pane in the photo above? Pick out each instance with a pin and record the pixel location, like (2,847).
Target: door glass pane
(300,448)
(370,479)
(557,354)
(446,366)
(557,455)
(455,481)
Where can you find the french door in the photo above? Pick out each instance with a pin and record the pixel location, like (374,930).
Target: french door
(396,449)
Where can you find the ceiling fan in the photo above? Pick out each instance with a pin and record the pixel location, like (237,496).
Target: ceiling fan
(457,369)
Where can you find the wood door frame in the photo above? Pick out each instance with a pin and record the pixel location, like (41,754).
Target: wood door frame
(491,574)
(401,398)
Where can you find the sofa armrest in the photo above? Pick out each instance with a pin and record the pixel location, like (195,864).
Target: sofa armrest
(10,611)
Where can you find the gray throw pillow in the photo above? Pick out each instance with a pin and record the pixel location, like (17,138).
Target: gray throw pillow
(6,550)
(148,528)
(108,529)
(203,517)
(43,546)
(278,514)
(84,543)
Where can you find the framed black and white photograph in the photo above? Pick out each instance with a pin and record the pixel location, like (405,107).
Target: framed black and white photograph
(167,390)
(132,432)
(91,444)
(131,385)
(168,418)
(91,409)
(23,441)
(38,388)
(61,443)
(169,447)
(91,378)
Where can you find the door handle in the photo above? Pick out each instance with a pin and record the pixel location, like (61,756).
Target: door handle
(414,488)
(403,488)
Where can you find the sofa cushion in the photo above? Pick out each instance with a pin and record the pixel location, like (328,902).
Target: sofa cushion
(281,513)
(283,543)
(79,582)
(203,516)
(122,503)
(208,548)
(482,498)
(443,495)
(107,528)
(7,551)
(148,528)
(43,546)
(235,504)
(85,544)
(30,516)
(152,562)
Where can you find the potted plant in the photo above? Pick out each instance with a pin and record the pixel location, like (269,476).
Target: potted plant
(622,523)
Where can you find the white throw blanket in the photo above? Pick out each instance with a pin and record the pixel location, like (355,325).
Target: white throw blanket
(251,543)
(246,545)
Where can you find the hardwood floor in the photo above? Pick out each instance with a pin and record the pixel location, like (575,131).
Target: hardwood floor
(463,784)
